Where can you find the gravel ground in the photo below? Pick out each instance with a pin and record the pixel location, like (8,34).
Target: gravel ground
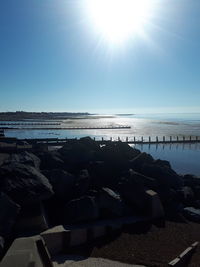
(155,247)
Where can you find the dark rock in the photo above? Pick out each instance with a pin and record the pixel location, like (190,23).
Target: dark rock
(99,173)
(146,181)
(132,189)
(82,209)
(63,183)
(188,195)
(192,214)
(110,203)
(82,183)
(31,220)
(89,143)
(114,159)
(162,163)
(79,151)
(172,201)
(191,180)
(8,213)
(24,184)
(196,190)
(22,143)
(164,175)
(138,162)
(25,158)
(117,154)
(196,204)
(51,160)
(39,147)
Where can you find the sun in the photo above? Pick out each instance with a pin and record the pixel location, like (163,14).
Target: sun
(118,20)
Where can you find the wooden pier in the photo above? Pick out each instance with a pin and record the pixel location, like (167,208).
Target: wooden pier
(164,140)
(11,144)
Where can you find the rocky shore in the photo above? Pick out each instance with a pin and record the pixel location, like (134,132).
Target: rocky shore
(85,181)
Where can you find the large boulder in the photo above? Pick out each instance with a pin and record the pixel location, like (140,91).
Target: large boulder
(63,183)
(26,158)
(90,143)
(79,151)
(51,160)
(164,175)
(82,183)
(142,158)
(9,211)
(191,180)
(162,163)
(110,203)
(188,195)
(82,209)
(192,214)
(24,184)
(117,155)
(132,189)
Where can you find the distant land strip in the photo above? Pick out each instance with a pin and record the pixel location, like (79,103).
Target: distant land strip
(67,128)
(27,124)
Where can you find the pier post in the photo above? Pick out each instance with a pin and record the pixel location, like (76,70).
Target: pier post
(127,139)
(190,138)
(134,138)
(163,138)
(94,138)
(149,139)
(111,139)
(183,138)
(142,139)
(196,138)
(102,138)
(118,138)
(157,139)
(170,139)
(177,138)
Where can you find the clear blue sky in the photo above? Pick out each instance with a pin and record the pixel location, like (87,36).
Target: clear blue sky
(51,60)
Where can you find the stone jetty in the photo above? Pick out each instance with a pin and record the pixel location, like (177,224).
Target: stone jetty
(86,182)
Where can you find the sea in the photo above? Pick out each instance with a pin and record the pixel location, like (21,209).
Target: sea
(184,158)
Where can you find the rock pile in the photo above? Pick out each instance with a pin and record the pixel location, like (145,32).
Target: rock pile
(85,181)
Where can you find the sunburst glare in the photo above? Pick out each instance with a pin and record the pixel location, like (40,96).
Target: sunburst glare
(117,21)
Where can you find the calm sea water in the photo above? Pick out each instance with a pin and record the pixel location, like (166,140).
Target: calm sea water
(183,158)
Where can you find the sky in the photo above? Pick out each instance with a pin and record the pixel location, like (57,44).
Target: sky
(52,58)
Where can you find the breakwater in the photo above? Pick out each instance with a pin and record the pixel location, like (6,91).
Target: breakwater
(150,140)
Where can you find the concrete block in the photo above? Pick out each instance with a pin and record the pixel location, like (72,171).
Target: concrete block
(54,239)
(78,237)
(155,206)
(27,252)
(35,223)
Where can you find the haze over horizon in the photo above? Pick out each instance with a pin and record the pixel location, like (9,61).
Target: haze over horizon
(75,56)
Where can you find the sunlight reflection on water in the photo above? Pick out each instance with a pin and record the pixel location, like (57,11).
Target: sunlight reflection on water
(184,158)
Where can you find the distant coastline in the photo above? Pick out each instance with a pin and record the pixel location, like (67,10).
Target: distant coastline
(23,115)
